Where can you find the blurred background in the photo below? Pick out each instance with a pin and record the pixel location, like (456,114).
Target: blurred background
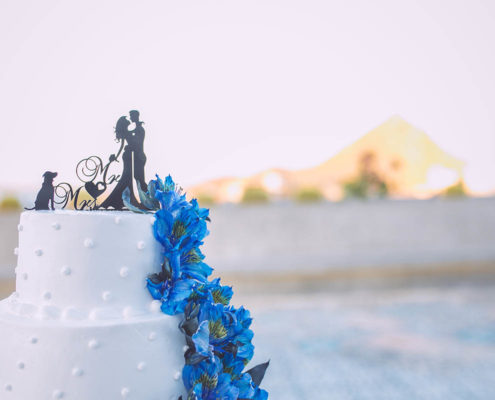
(346,151)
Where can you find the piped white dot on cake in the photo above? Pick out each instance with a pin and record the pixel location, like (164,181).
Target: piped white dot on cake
(8,387)
(58,394)
(152,336)
(20,365)
(76,371)
(177,375)
(93,314)
(34,340)
(141,366)
(125,392)
(38,252)
(117,220)
(124,272)
(141,245)
(93,344)
(65,270)
(106,296)
(185,348)
(47,296)
(88,243)
(56,226)
(20,228)
(16,251)
(127,312)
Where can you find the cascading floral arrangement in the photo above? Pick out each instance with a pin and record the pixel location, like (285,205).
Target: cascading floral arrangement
(217,334)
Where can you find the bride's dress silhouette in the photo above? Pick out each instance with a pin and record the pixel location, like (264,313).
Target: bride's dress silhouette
(133,141)
(137,138)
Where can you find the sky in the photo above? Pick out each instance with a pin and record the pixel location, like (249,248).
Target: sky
(230,88)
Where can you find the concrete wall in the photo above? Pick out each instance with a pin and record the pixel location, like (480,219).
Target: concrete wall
(351,234)
(344,235)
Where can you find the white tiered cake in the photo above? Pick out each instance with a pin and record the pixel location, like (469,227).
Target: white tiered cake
(81,324)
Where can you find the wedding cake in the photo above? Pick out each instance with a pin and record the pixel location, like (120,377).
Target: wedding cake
(81,324)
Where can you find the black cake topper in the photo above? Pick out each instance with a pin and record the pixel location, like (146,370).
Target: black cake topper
(96,177)
(133,159)
(46,193)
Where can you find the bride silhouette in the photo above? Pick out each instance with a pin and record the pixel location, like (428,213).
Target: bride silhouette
(133,140)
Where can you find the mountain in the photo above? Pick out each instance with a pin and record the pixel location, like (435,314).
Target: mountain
(400,154)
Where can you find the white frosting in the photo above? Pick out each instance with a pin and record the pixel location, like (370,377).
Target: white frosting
(87,256)
(81,324)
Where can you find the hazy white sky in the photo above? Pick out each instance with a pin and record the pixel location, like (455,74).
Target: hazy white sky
(233,87)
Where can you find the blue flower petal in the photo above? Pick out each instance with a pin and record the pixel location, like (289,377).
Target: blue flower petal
(201,339)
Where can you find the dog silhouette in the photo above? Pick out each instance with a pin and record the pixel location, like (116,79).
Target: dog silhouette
(46,194)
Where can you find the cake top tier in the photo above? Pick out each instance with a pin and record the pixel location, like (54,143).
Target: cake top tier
(85,264)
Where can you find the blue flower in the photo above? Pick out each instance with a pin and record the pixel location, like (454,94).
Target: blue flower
(213,292)
(232,365)
(220,294)
(169,184)
(218,322)
(245,386)
(229,330)
(174,297)
(177,297)
(171,202)
(206,381)
(240,334)
(156,289)
(202,213)
(192,265)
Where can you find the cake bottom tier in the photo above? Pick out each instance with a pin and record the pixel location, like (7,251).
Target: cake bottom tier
(136,358)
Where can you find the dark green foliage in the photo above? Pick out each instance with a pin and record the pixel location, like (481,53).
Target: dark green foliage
(10,204)
(369,182)
(255,195)
(363,187)
(456,190)
(205,200)
(309,195)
